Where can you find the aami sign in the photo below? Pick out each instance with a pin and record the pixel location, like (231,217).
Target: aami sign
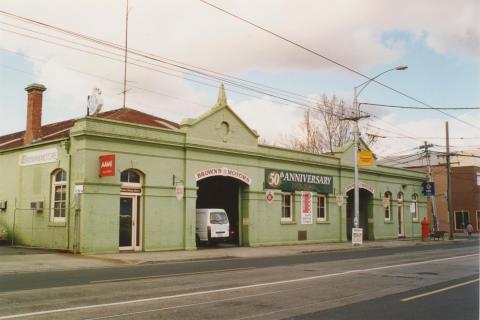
(107,165)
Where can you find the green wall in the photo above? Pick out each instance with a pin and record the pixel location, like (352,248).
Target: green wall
(166,157)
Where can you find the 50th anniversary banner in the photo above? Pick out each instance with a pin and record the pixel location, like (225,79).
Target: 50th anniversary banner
(297,181)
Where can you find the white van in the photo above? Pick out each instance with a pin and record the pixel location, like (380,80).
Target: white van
(212,225)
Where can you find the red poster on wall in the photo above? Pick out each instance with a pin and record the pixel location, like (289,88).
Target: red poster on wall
(107,165)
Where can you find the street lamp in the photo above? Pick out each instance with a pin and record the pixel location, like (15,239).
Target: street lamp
(357,133)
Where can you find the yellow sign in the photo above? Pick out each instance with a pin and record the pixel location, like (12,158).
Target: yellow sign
(365,158)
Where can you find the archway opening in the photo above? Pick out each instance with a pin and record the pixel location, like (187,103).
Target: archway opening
(365,212)
(220,192)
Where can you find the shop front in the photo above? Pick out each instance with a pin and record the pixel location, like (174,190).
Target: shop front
(133,182)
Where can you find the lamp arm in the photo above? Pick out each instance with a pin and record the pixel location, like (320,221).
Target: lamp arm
(366,83)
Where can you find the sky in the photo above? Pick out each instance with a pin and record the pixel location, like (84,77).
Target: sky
(438,40)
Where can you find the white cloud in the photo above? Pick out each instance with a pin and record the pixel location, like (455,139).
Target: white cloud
(189,31)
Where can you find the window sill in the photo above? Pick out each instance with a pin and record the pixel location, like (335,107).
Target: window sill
(287,222)
(323,221)
(388,221)
(415,221)
(57,224)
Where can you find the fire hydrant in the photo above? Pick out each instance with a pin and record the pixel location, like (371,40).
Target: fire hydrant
(425,232)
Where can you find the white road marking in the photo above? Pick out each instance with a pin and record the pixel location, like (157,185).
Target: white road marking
(171,275)
(439,290)
(196,304)
(258,285)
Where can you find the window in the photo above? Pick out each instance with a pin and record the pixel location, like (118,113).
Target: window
(478,179)
(321,207)
(58,203)
(414,207)
(461,219)
(287,208)
(130,176)
(387,204)
(400,204)
(218,217)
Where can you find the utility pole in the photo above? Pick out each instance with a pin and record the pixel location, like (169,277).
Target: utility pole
(125,64)
(356,196)
(430,179)
(449,185)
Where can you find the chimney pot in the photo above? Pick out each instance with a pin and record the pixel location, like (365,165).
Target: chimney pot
(34,112)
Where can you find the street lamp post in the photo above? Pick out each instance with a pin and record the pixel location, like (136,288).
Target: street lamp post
(356,138)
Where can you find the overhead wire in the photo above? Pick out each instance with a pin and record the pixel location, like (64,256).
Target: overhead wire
(333,61)
(416,108)
(304,105)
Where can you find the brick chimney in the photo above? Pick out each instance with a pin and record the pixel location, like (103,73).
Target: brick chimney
(34,112)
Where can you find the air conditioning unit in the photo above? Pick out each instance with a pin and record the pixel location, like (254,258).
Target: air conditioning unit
(37,206)
(3,205)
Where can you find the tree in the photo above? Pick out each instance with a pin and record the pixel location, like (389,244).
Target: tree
(322,128)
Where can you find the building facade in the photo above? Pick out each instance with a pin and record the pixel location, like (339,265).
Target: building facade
(126,180)
(465,197)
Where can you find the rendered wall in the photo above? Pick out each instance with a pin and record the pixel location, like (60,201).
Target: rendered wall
(21,185)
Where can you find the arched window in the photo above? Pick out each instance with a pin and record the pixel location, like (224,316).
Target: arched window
(387,204)
(400,206)
(58,202)
(414,208)
(130,176)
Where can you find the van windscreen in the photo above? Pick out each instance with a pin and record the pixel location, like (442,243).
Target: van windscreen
(218,217)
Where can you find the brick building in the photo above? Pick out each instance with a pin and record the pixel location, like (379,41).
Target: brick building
(465,196)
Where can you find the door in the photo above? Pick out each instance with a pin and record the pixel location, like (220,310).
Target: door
(129,234)
(401,224)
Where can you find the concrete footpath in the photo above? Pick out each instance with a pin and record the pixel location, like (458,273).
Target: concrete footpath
(23,259)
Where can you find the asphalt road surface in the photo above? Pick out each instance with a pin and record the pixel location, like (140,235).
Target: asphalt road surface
(424,282)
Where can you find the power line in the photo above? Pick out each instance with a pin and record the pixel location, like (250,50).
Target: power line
(208,77)
(195,73)
(143,54)
(332,61)
(419,108)
(161,59)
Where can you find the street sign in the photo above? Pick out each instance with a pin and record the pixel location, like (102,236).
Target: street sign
(365,158)
(357,236)
(428,188)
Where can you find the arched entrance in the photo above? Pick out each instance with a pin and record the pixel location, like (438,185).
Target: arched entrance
(365,212)
(224,193)
(130,223)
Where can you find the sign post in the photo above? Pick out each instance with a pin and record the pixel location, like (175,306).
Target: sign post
(357,236)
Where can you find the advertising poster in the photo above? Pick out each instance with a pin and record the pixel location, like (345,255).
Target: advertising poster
(306,207)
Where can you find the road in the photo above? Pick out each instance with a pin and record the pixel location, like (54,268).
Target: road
(393,283)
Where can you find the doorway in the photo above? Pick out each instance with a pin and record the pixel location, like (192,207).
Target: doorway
(129,231)
(220,192)
(401,216)
(365,208)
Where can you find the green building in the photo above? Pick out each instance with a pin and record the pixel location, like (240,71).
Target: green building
(126,180)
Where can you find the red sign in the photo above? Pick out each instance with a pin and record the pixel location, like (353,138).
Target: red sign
(107,165)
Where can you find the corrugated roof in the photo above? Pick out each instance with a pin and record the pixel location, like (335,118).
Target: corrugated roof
(61,129)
